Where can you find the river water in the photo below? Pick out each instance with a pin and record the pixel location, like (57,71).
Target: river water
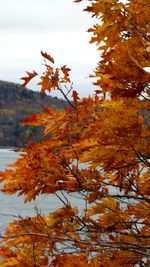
(12,206)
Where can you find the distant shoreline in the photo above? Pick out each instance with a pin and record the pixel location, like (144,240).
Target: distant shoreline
(9,147)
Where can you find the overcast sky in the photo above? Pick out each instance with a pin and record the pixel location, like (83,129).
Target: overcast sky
(57,27)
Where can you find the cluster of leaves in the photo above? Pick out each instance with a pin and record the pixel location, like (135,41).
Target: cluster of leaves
(99,151)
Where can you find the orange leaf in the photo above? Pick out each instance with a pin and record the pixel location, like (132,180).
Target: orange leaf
(55,79)
(30,120)
(46,84)
(65,71)
(31,75)
(75,97)
(47,56)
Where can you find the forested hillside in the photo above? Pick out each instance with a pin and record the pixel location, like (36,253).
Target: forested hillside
(17,103)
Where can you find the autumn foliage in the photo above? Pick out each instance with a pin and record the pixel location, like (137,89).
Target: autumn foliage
(99,152)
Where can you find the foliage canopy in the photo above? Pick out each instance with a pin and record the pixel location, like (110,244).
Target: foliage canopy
(99,151)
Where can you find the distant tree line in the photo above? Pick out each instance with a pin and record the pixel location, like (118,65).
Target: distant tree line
(17,103)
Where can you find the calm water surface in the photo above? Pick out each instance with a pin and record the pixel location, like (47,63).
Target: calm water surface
(12,205)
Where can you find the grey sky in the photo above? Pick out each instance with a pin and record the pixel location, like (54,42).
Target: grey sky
(57,27)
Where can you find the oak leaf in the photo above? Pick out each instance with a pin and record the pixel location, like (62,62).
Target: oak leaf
(47,56)
(27,79)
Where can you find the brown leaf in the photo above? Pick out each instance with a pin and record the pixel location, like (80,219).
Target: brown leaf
(27,79)
(65,71)
(75,97)
(47,56)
